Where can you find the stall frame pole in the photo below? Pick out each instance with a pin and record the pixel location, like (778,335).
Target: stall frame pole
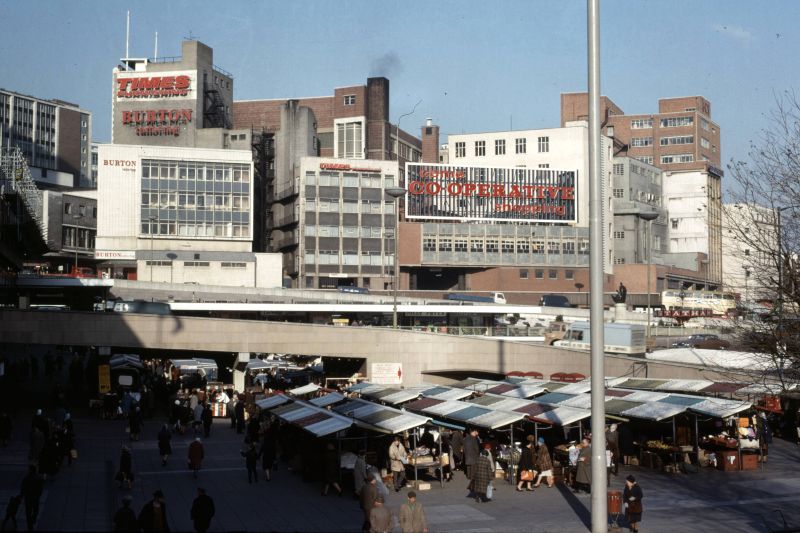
(511,462)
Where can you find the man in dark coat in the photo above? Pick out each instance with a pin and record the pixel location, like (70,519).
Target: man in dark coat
(202,511)
(472,449)
(195,456)
(583,478)
(164,445)
(251,459)
(31,491)
(207,418)
(125,518)
(153,516)
(369,493)
(612,440)
(457,444)
(239,410)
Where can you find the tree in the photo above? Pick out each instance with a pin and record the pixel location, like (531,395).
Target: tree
(762,222)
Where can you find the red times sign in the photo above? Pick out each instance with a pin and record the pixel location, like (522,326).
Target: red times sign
(447,192)
(153,87)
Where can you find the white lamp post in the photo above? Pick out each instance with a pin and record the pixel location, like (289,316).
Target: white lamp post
(649,216)
(395,193)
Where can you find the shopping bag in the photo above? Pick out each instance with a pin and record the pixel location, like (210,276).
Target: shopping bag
(526,475)
(489,490)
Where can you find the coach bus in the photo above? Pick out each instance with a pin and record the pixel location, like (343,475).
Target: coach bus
(715,303)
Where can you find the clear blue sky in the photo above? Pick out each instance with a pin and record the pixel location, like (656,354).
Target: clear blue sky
(476,65)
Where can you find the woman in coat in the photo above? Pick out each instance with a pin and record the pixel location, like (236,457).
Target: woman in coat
(196,456)
(268,453)
(545,464)
(526,464)
(125,474)
(583,478)
(164,446)
(482,475)
(632,497)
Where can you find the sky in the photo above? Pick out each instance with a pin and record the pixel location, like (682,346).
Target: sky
(476,66)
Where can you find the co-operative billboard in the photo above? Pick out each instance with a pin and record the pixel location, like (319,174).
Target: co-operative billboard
(453,192)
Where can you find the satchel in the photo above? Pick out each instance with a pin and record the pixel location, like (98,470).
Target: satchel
(526,475)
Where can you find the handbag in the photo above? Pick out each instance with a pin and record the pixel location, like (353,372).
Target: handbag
(489,490)
(526,475)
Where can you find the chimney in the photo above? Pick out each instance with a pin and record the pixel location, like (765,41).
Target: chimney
(430,142)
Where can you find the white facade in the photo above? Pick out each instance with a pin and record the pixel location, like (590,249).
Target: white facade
(694,205)
(552,148)
(747,271)
(183,214)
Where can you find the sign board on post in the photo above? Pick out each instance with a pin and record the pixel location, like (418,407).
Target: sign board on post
(387,373)
(104,379)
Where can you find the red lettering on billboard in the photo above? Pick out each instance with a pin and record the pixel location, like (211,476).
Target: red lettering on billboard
(157,121)
(153,87)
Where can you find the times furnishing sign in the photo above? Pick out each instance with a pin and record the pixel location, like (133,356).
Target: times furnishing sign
(457,192)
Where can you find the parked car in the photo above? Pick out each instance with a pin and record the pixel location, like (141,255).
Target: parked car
(705,341)
(554,300)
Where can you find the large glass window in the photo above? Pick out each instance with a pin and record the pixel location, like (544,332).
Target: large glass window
(349,138)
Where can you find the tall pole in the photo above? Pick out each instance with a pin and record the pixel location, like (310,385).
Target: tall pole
(599,506)
(395,193)
(151,220)
(648,216)
(77,217)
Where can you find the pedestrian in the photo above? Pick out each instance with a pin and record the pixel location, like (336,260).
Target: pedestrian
(202,511)
(153,516)
(207,419)
(268,453)
(399,458)
(197,418)
(526,472)
(545,464)
(125,517)
(239,410)
(765,435)
(482,475)
(472,449)
(331,466)
(612,443)
(135,422)
(457,445)
(11,512)
(632,497)
(37,442)
(125,473)
(412,515)
(196,456)
(164,445)
(369,493)
(231,410)
(31,491)
(380,517)
(360,471)
(583,476)
(250,459)
(67,439)
(5,428)
(446,459)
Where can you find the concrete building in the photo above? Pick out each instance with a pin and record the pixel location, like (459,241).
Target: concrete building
(683,141)
(53,135)
(749,252)
(70,228)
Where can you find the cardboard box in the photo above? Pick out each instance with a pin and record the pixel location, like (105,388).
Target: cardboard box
(749,461)
(728,460)
(423,486)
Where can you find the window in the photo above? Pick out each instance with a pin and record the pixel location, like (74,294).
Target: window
(619,234)
(568,248)
(544,165)
(523,273)
(552,274)
(538,273)
(228,264)
(641,141)
(476,246)
(619,260)
(445,245)
(480,148)
(461,149)
(674,223)
(619,193)
(538,247)
(641,123)
(507,247)
(544,144)
(500,147)
(523,247)
(676,139)
(645,159)
(520,146)
(67,208)
(619,169)
(569,274)
(349,99)
(679,158)
(196,264)
(491,246)
(349,140)
(460,245)
(704,124)
(674,122)
(583,247)
(704,142)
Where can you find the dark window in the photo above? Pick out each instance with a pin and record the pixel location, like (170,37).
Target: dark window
(523,273)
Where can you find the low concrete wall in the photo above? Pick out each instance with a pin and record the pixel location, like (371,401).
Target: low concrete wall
(419,352)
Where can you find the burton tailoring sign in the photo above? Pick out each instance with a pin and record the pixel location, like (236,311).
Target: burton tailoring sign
(451,192)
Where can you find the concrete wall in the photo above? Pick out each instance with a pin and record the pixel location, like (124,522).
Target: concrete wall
(418,352)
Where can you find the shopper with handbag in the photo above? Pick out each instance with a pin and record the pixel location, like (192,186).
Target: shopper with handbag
(525,468)
(632,497)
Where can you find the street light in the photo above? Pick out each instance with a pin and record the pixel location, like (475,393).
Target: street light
(648,216)
(395,193)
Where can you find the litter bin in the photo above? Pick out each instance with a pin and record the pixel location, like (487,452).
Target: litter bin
(615,502)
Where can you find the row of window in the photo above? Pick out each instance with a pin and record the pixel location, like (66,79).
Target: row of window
(552,273)
(347,206)
(506,246)
(333,179)
(676,139)
(196,230)
(172,200)
(670,122)
(677,158)
(77,238)
(195,170)
(335,257)
(374,232)
(520,146)
(78,210)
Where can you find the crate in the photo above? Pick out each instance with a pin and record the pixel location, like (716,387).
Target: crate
(728,460)
(749,461)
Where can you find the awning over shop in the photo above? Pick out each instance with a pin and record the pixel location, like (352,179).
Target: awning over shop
(561,416)
(328,399)
(126,360)
(719,407)
(305,389)
(654,411)
(316,420)
(380,417)
(446,393)
(272,401)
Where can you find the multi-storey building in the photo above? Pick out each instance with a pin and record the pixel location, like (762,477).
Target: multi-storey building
(70,227)
(53,135)
(683,141)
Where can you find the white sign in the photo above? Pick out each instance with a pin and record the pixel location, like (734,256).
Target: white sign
(387,373)
(115,254)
